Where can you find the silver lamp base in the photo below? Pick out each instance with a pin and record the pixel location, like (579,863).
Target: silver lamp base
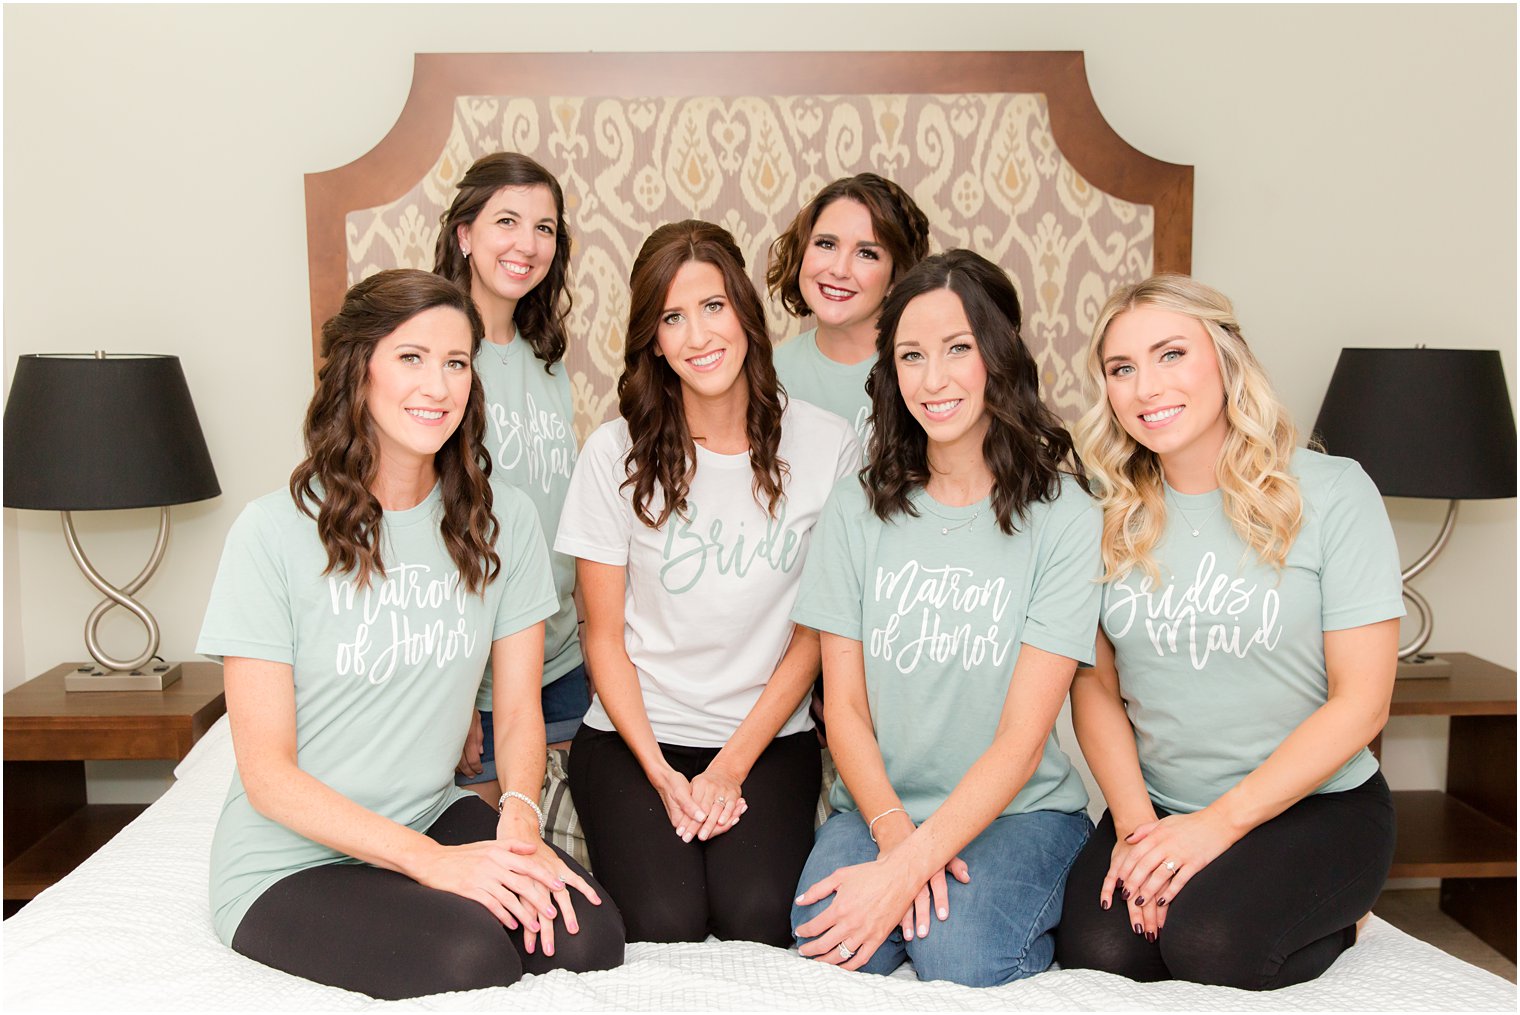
(153,676)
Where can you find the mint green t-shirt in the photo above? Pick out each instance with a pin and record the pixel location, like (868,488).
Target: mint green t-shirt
(808,374)
(385,676)
(1225,656)
(941,605)
(530,435)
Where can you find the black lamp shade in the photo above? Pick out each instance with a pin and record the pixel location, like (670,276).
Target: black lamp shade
(1431,423)
(96,433)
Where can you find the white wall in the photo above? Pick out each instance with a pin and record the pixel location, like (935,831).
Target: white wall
(1355,186)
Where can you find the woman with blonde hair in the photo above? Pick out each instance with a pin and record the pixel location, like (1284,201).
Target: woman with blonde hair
(1246,658)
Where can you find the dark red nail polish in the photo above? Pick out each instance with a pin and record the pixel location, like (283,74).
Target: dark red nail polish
(1151,938)
(1160,903)
(1118,882)
(1139,929)
(1140,901)
(1124,892)
(1105,903)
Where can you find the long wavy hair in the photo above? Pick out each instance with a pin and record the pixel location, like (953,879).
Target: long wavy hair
(342,460)
(1026,447)
(1260,497)
(541,314)
(663,455)
(896,220)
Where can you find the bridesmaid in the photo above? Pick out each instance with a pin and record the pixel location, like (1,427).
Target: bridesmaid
(504,241)
(1246,659)
(835,262)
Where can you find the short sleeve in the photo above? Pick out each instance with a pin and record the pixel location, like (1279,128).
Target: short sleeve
(1066,596)
(830,596)
(596,521)
(248,613)
(849,455)
(529,594)
(1359,579)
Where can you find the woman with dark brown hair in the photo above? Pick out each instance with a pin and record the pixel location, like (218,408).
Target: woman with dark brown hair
(953,591)
(504,241)
(690,517)
(835,263)
(354,613)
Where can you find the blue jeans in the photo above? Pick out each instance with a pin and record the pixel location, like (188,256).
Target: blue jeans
(1001,925)
(564,702)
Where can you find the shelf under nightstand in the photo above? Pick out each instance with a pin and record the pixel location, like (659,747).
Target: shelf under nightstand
(1465,835)
(49,734)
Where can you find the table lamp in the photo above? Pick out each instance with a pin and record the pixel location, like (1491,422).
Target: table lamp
(1434,423)
(106,433)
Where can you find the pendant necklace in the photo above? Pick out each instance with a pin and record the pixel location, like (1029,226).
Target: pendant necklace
(501,349)
(1193,527)
(945,530)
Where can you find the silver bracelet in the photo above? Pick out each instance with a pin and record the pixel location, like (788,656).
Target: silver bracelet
(871,828)
(512,794)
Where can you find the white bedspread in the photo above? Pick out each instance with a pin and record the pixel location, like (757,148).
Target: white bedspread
(130,930)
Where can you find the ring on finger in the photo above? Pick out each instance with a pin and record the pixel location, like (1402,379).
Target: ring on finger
(722,799)
(846,953)
(1170,865)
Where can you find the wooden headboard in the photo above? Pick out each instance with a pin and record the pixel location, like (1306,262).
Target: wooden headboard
(1007,153)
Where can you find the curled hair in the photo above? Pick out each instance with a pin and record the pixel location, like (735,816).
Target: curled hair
(663,454)
(541,314)
(342,460)
(898,223)
(1026,447)
(1260,496)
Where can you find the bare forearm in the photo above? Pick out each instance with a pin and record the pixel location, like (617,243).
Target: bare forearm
(1108,744)
(311,808)
(1312,753)
(982,794)
(617,688)
(857,756)
(788,685)
(520,759)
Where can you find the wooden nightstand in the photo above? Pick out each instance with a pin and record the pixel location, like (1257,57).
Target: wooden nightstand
(1466,835)
(50,733)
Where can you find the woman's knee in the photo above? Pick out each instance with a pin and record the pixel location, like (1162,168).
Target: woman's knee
(597,944)
(481,957)
(763,916)
(663,920)
(1217,951)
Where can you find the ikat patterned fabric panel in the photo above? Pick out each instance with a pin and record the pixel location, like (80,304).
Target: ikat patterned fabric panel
(984,168)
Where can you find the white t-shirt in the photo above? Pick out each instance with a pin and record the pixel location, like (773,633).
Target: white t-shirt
(709,596)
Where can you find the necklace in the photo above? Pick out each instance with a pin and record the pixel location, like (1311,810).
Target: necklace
(1193,526)
(945,530)
(501,349)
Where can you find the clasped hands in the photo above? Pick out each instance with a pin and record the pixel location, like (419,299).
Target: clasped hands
(1151,865)
(871,899)
(707,805)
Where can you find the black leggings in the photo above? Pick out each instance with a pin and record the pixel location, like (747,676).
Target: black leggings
(736,886)
(380,933)
(1276,908)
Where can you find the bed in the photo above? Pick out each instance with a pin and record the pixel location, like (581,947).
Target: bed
(1006,152)
(130,930)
